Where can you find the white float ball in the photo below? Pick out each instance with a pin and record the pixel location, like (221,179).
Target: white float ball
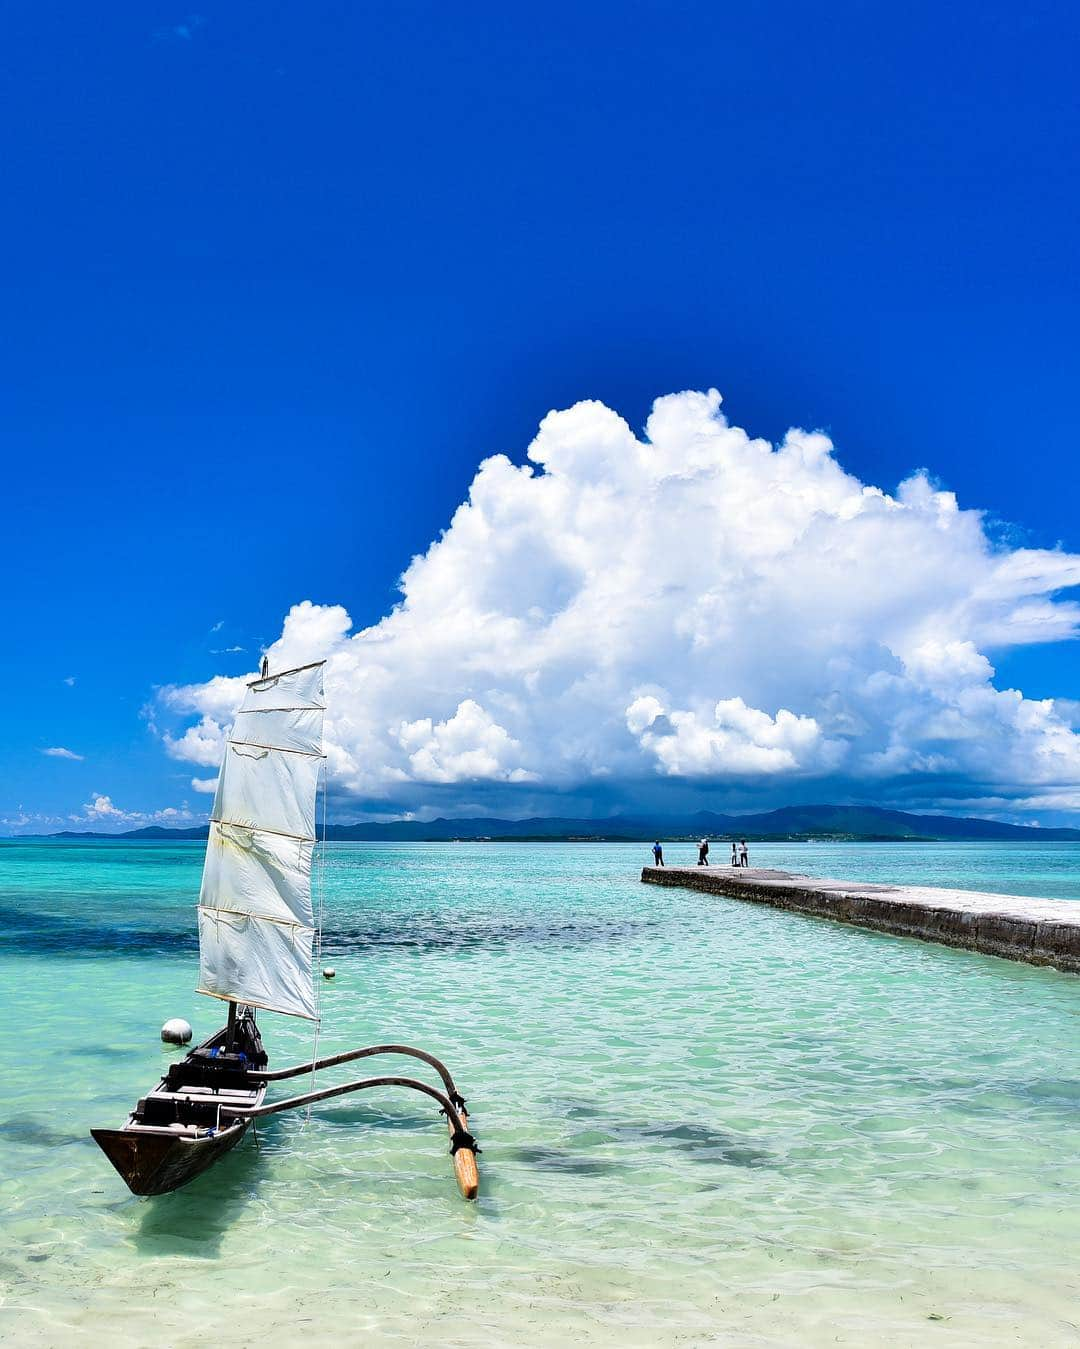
(176,1031)
(328,973)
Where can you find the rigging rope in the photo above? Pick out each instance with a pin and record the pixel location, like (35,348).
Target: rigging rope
(320,889)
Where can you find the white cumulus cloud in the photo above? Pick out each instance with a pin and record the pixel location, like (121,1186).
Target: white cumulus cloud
(736,741)
(689,605)
(100,810)
(469,745)
(203,743)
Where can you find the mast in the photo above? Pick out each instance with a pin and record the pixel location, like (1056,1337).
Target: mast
(256,925)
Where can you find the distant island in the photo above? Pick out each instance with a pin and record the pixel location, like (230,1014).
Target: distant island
(863,824)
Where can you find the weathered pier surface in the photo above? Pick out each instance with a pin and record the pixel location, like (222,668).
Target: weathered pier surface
(1040,931)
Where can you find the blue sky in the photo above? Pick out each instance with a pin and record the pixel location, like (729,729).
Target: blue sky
(278,278)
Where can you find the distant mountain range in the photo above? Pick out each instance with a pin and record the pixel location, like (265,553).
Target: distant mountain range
(866,823)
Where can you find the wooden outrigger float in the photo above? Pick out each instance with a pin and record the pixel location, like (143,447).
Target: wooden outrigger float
(255,940)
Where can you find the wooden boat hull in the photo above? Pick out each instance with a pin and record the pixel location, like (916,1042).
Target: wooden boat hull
(193,1116)
(157,1163)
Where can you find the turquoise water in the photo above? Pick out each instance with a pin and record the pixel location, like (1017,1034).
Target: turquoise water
(705,1122)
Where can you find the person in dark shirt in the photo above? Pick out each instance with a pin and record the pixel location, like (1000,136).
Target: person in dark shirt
(703,853)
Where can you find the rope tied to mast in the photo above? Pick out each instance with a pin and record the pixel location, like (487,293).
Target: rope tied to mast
(320,888)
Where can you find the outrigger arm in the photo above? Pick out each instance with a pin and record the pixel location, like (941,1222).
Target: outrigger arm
(298,1069)
(463,1146)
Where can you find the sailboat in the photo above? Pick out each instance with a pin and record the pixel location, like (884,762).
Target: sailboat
(257,931)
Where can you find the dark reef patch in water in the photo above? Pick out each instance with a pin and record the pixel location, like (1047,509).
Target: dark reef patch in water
(108,1052)
(38,934)
(577,1107)
(29,933)
(453,932)
(1055,1095)
(978,1094)
(567,1163)
(36,1133)
(351,1115)
(701,1142)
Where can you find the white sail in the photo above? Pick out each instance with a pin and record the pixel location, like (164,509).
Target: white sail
(255,917)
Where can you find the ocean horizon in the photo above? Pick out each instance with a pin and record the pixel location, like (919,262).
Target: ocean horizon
(703,1121)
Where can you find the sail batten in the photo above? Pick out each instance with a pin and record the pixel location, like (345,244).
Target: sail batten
(252,829)
(254,744)
(298,729)
(271,788)
(256,928)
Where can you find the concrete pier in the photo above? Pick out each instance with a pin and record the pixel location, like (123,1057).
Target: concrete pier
(1040,931)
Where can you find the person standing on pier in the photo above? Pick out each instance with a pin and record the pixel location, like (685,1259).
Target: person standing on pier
(734,853)
(744,856)
(703,853)
(658,854)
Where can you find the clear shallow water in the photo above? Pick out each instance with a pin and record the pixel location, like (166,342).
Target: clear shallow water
(1050,870)
(704,1122)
